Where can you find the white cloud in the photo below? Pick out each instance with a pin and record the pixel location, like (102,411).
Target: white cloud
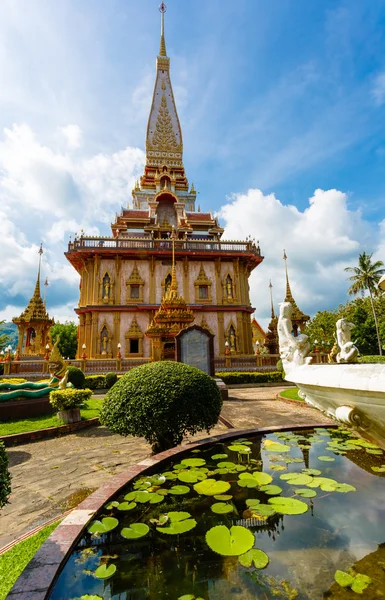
(45,195)
(319,241)
(378,89)
(73,135)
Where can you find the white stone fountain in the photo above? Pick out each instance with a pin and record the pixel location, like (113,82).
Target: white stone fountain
(350,392)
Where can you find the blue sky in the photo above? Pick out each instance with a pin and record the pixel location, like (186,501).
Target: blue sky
(286,97)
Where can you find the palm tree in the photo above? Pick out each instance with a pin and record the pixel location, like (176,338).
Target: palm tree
(366,277)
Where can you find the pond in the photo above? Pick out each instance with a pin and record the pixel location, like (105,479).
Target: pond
(269,517)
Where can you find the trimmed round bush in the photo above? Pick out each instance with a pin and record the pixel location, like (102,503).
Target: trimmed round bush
(5,476)
(69,398)
(111,379)
(162,402)
(76,377)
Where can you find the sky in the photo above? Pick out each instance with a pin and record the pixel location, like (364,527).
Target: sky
(282,108)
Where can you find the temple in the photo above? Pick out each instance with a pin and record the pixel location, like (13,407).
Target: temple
(34,324)
(164,256)
(298,318)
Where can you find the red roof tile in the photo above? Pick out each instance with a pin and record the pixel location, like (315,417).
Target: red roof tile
(197,216)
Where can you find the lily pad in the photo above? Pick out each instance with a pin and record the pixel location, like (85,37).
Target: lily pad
(178,522)
(306,493)
(105,571)
(179,490)
(223,497)
(88,597)
(193,462)
(111,505)
(240,448)
(252,502)
(326,458)
(343,579)
(256,479)
(271,490)
(288,506)
(126,505)
(135,531)
(258,558)
(170,476)
(191,476)
(311,471)
(219,456)
(222,508)
(103,526)
(360,583)
(226,464)
(278,467)
(262,511)
(318,481)
(271,446)
(343,488)
(380,469)
(230,542)
(212,487)
(372,451)
(297,478)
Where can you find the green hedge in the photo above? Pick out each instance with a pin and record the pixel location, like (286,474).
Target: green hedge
(372,359)
(251,377)
(5,477)
(76,377)
(162,402)
(111,379)
(95,382)
(70,398)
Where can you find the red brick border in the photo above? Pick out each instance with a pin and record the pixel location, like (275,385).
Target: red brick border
(41,573)
(44,434)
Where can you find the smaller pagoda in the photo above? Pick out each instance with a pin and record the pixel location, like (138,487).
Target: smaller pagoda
(298,318)
(171,317)
(34,324)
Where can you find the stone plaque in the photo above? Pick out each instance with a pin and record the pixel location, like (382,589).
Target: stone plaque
(195,348)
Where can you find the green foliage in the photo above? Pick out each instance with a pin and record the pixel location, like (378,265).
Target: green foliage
(69,398)
(76,377)
(371,359)
(250,377)
(111,379)
(68,332)
(95,382)
(359,311)
(14,561)
(162,402)
(5,338)
(5,476)
(230,542)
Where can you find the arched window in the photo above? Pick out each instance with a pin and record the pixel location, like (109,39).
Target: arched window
(167,283)
(232,339)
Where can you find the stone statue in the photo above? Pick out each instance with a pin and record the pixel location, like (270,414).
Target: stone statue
(229,287)
(232,341)
(348,351)
(293,350)
(106,290)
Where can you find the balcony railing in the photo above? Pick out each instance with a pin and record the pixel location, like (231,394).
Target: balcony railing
(189,245)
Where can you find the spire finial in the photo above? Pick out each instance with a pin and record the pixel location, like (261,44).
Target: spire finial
(289,295)
(162,10)
(271,300)
(46,284)
(37,286)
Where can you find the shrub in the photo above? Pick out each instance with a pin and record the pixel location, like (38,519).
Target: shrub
(111,379)
(13,380)
(5,476)
(76,377)
(251,377)
(162,401)
(371,359)
(69,398)
(95,382)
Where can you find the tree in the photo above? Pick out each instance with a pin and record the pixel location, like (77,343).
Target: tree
(4,337)
(322,327)
(366,277)
(68,343)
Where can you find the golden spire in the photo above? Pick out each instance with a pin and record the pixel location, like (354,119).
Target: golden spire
(162,50)
(35,310)
(271,300)
(297,314)
(174,281)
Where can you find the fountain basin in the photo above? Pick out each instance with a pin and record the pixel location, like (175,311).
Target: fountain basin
(359,387)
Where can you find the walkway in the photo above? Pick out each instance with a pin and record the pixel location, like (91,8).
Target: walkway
(48,477)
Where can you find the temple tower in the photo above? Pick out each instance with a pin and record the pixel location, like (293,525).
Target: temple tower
(271,340)
(34,323)
(125,278)
(298,318)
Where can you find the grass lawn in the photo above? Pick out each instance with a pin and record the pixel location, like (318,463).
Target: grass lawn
(292,394)
(45,421)
(13,562)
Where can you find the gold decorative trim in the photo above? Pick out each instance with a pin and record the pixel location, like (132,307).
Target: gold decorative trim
(203,281)
(134,279)
(134,333)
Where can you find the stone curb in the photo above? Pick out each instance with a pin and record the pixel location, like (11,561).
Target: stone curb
(32,532)
(41,573)
(44,434)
